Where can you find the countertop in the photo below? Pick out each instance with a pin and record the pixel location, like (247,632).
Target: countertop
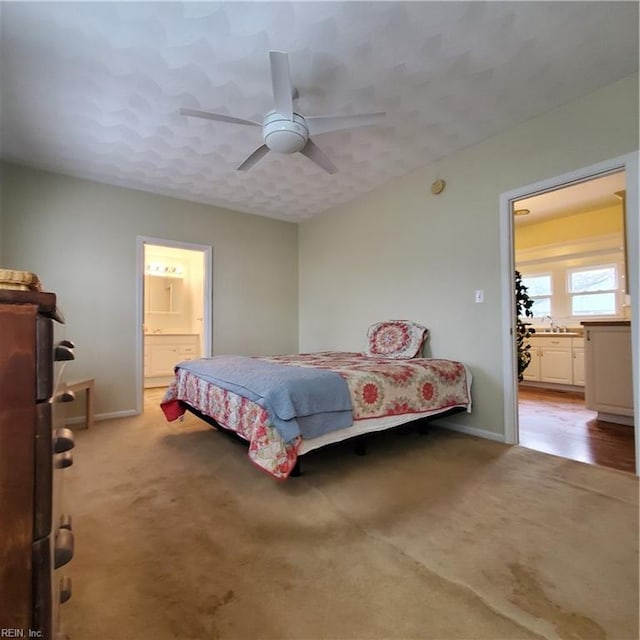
(170,333)
(606,323)
(579,333)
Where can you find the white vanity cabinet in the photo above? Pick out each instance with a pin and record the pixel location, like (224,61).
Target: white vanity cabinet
(556,359)
(162,351)
(608,384)
(532,372)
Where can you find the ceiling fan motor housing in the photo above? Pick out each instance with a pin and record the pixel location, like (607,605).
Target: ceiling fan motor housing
(283,135)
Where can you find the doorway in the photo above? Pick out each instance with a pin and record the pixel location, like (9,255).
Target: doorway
(569,250)
(567,265)
(174,309)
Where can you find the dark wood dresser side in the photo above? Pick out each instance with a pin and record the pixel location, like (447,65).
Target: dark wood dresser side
(34,539)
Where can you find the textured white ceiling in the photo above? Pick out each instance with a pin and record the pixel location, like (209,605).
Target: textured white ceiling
(93,89)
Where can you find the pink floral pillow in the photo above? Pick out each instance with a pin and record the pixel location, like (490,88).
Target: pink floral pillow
(400,339)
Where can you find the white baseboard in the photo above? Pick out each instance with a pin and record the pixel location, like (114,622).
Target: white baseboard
(128,413)
(104,416)
(472,431)
(616,418)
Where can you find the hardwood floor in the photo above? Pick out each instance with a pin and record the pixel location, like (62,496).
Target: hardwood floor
(557,422)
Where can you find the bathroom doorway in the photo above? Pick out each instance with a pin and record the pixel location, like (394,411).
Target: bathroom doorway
(174,309)
(557,268)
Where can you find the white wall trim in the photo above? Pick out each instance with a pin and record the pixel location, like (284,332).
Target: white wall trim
(471,431)
(207,346)
(509,358)
(629,163)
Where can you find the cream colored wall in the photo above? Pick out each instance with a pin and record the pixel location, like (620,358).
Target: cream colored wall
(586,224)
(80,238)
(400,252)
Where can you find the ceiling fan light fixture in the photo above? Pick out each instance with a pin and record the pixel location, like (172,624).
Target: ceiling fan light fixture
(285,131)
(284,135)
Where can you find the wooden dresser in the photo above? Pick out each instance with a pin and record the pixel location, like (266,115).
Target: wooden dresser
(36,540)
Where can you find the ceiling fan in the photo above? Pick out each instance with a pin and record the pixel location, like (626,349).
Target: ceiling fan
(284,130)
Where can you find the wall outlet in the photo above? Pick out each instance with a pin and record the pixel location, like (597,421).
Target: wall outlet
(479,295)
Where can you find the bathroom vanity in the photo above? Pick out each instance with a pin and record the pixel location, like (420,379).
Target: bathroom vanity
(162,351)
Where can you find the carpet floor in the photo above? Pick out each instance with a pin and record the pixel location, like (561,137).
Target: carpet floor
(443,536)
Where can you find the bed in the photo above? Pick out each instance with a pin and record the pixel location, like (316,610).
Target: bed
(288,405)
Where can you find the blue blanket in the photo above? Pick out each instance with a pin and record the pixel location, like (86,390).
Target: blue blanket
(300,400)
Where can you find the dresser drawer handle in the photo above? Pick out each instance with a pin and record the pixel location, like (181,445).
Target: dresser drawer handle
(66,396)
(65,589)
(63,551)
(63,440)
(63,460)
(62,353)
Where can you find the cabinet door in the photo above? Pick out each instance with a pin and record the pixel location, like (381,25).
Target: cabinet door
(578,367)
(608,370)
(556,365)
(532,372)
(162,359)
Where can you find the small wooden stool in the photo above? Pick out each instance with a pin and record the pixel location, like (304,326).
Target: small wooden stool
(85,385)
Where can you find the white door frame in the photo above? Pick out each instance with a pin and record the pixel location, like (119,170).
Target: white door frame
(629,163)
(207,324)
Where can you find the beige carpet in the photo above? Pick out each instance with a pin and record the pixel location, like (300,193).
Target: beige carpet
(441,536)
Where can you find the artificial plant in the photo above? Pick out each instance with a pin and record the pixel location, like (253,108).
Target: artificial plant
(524,330)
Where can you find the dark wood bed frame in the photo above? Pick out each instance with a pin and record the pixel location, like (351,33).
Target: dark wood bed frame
(360,442)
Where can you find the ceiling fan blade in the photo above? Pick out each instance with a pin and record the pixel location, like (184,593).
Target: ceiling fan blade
(218,117)
(313,153)
(281,83)
(257,155)
(325,124)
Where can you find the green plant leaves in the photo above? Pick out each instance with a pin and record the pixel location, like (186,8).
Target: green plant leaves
(524,330)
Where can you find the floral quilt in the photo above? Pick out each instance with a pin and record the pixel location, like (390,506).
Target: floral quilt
(379,387)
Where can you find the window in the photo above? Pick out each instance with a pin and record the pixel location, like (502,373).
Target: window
(539,290)
(593,291)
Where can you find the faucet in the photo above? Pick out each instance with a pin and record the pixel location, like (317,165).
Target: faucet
(556,327)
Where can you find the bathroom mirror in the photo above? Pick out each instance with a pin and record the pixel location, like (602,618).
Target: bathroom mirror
(162,294)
